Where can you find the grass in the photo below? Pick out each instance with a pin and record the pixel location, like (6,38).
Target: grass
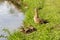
(50,11)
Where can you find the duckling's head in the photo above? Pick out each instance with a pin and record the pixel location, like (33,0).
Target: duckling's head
(22,29)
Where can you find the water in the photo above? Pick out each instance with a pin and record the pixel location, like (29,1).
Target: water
(10,18)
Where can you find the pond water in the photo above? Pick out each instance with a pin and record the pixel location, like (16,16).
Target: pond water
(10,18)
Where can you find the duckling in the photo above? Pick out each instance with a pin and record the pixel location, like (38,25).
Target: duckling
(37,19)
(26,31)
(32,28)
(22,30)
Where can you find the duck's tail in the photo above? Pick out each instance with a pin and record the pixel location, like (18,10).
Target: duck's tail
(43,21)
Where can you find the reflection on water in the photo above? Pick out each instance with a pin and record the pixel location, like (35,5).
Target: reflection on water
(10,18)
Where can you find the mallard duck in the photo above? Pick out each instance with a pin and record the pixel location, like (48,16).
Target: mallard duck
(37,19)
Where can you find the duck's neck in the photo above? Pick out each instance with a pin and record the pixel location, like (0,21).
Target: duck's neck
(36,13)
